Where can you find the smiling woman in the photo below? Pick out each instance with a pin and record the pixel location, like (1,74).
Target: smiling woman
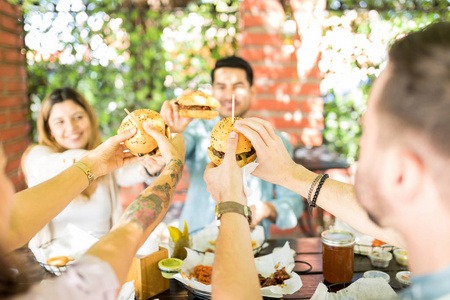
(68,130)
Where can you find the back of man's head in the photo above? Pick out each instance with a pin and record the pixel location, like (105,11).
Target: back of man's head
(417,95)
(234,62)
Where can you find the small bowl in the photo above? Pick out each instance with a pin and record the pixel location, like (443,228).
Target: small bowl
(377,274)
(170,267)
(401,256)
(404,278)
(380,258)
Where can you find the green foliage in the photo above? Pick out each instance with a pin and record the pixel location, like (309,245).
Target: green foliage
(354,51)
(121,55)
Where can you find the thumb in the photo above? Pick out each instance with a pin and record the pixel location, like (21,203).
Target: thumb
(154,133)
(123,136)
(230,152)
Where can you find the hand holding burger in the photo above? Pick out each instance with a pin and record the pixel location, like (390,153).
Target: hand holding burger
(197,105)
(245,153)
(142,143)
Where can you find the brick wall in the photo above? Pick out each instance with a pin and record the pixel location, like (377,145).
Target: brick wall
(14,124)
(287,79)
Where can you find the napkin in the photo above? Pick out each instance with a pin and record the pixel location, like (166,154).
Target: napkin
(201,241)
(361,289)
(150,246)
(247,170)
(73,245)
(127,292)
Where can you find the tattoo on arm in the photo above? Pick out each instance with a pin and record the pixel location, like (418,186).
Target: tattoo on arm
(154,201)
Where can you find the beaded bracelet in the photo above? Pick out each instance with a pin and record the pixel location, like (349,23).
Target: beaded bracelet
(312,188)
(316,194)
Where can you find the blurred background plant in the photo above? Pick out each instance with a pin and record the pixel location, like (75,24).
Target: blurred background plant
(124,54)
(137,53)
(354,47)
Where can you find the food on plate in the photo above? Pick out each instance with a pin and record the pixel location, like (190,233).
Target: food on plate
(203,273)
(278,277)
(197,105)
(377,243)
(142,143)
(245,153)
(180,241)
(59,261)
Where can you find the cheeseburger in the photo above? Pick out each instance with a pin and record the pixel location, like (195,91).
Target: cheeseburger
(197,105)
(142,143)
(245,153)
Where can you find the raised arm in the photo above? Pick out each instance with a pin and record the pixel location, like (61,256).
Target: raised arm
(234,272)
(277,166)
(29,215)
(142,216)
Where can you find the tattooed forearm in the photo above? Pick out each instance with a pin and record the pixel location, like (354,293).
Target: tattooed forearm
(176,166)
(144,210)
(153,203)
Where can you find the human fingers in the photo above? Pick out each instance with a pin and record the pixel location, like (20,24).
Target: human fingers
(153,164)
(170,149)
(257,138)
(167,112)
(121,137)
(230,150)
(129,159)
(263,127)
(175,111)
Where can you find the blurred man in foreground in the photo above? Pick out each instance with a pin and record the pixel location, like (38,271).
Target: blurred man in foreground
(402,178)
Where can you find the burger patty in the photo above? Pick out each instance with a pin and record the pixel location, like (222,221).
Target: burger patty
(150,153)
(239,156)
(194,107)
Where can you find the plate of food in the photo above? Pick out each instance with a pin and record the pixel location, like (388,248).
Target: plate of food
(366,244)
(204,240)
(275,272)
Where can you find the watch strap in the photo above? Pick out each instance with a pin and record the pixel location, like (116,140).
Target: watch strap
(231,206)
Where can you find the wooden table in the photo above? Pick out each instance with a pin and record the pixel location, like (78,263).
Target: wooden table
(307,249)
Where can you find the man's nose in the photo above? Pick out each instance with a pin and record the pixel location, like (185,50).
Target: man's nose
(228,94)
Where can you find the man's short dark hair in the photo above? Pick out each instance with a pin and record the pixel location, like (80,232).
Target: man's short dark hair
(417,94)
(234,62)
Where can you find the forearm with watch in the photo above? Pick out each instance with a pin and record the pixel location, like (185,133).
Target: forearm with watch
(234,272)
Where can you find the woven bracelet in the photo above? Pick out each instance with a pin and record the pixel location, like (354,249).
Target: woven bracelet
(316,194)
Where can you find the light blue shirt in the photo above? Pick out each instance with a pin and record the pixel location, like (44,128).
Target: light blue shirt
(432,286)
(199,207)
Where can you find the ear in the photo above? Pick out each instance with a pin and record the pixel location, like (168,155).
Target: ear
(409,175)
(252,91)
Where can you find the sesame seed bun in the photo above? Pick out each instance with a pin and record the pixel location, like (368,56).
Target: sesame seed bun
(142,143)
(219,137)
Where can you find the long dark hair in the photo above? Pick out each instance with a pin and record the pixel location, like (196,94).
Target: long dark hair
(12,280)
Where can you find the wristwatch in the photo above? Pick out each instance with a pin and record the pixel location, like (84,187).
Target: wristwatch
(231,206)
